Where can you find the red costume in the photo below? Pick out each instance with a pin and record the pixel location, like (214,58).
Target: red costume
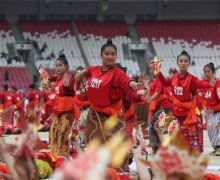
(182,92)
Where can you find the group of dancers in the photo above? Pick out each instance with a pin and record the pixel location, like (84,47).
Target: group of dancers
(107,91)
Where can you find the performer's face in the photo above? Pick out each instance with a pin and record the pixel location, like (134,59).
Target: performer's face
(60,67)
(109,56)
(208,73)
(183,63)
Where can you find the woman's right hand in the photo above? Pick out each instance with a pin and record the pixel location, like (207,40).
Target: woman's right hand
(79,75)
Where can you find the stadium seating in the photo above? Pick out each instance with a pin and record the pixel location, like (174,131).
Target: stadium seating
(168,38)
(94,34)
(5,36)
(53,38)
(18,77)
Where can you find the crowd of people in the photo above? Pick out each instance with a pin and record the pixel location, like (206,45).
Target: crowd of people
(179,108)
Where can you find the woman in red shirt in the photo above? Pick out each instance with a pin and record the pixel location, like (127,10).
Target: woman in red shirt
(211,99)
(33,98)
(63,113)
(105,92)
(183,90)
(158,103)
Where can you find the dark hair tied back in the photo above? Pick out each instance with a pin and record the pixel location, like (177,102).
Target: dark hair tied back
(62,57)
(184,53)
(108,44)
(109,41)
(211,66)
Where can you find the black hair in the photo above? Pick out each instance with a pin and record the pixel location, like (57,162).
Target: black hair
(121,67)
(108,44)
(5,87)
(184,53)
(32,86)
(14,88)
(79,68)
(211,66)
(63,58)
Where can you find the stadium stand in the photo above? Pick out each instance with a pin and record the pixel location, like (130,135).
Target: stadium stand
(94,34)
(53,38)
(169,38)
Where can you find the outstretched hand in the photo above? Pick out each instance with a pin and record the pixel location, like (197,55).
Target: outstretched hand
(143,82)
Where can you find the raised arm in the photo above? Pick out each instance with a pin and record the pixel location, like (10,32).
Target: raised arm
(80,75)
(201,84)
(164,81)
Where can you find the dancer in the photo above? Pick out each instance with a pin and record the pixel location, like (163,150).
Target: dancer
(105,93)
(63,111)
(183,90)
(211,104)
(159,103)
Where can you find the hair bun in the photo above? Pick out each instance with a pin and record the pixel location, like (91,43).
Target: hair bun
(211,64)
(62,56)
(109,41)
(184,52)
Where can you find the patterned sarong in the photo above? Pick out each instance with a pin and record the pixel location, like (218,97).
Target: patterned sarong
(59,133)
(193,138)
(213,129)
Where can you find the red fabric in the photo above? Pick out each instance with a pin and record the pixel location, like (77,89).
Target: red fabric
(156,86)
(200,102)
(17,98)
(113,174)
(7,99)
(62,93)
(155,104)
(161,101)
(124,177)
(210,176)
(114,109)
(54,160)
(84,104)
(48,105)
(129,112)
(130,96)
(106,84)
(210,97)
(59,88)
(194,139)
(4,169)
(131,123)
(34,96)
(182,89)
(34,99)
(191,119)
